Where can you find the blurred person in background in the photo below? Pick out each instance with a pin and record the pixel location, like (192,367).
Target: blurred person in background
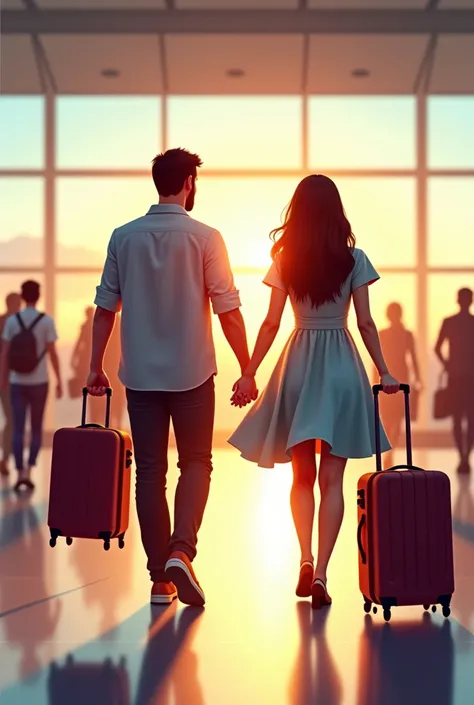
(13,306)
(458,333)
(399,349)
(29,337)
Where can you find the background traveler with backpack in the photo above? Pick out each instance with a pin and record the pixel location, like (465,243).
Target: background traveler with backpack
(28,337)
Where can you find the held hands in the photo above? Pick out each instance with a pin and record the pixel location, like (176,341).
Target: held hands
(245,391)
(390,384)
(97,383)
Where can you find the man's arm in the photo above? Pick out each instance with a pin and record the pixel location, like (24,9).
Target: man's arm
(233,325)
(108,301)
(224,296)
(4,364)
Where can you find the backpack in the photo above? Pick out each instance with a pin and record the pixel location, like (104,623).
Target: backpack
(22,354)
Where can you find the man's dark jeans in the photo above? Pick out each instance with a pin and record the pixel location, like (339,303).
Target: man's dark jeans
(192,413)
(24,398)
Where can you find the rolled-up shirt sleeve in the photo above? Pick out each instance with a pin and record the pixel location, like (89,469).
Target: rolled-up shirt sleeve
(218,275)
(108,294)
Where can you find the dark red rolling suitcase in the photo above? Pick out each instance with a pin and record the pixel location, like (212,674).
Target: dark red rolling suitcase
(90,481)
(404,531)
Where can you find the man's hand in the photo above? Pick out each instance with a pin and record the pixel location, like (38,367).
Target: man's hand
(245,390)
(97,383)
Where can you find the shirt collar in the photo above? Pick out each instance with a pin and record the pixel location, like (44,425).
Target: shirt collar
(167,208)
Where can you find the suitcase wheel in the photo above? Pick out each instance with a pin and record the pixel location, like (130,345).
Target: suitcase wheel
(446,611)
(68,540)
(426,607)
(54,533)
(121,541)
(367,606)
(433,609)
(107,545)
(375,610)
(387,614)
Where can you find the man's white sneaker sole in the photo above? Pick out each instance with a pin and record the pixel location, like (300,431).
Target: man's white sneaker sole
(189,591)
(164,599)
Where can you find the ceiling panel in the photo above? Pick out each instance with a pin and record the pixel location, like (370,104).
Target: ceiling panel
(457,4)
(393,63)
(367,4)
(12,5)
(101,4)
(198,64)
(453,72)
(18,72)
(77,63)
(236,4)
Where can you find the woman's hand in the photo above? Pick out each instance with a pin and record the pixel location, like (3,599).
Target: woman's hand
(245,390)
(390,384)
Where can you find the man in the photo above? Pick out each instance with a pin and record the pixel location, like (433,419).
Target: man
(161,270)
(13,305)
(28,390)
(458,332)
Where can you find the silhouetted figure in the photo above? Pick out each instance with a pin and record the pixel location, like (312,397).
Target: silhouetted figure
(458,332)
(398,346)
(80,359)
(13,305)
(28,338)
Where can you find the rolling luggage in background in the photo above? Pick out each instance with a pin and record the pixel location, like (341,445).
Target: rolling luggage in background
(89,683)
(90,481)
(404,531)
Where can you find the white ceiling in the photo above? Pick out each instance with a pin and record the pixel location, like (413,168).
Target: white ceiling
(101,4)
(393,63)
(367,4)
(136,57)
(453,56)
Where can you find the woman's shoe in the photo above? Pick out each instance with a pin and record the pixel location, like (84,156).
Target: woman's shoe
(303,589)
(319,594)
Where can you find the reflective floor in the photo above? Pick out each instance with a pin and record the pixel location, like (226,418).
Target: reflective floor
(76,626)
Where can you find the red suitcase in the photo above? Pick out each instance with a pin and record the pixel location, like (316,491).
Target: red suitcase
(404,532)
(90,481)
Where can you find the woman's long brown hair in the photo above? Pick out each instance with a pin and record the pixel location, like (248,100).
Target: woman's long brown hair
(315,243)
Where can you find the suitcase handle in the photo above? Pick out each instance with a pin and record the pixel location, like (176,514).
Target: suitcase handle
(363,555)
(405,388)
(85,392)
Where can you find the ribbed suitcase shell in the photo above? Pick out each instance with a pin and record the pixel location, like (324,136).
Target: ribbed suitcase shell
(90,482)
(404,534)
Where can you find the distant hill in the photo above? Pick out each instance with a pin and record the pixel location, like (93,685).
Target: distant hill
(25,251)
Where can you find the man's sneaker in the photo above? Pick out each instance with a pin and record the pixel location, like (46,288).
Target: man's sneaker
(163,593)
(180,571)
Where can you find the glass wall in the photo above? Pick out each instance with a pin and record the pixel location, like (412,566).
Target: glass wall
(255,151)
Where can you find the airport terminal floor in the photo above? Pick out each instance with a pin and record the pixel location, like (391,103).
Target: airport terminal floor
(76,625)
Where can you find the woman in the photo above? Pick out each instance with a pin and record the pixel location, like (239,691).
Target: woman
(398,347)
(319,396)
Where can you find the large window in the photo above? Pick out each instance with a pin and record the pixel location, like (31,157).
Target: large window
(239,133)
(350,132)
(21,221)
(22,133)
(101,179)
(112,132)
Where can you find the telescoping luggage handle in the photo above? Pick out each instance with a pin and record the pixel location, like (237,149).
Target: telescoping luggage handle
(108,393)
(405,388)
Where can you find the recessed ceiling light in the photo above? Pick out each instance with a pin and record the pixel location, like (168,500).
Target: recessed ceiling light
(110,73)
(235,73)
(361,73)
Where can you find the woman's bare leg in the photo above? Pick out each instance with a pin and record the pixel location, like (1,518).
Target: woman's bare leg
(331,509)
(302,495)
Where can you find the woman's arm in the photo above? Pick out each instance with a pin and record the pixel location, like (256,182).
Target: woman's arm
(268,331)
(370,336)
